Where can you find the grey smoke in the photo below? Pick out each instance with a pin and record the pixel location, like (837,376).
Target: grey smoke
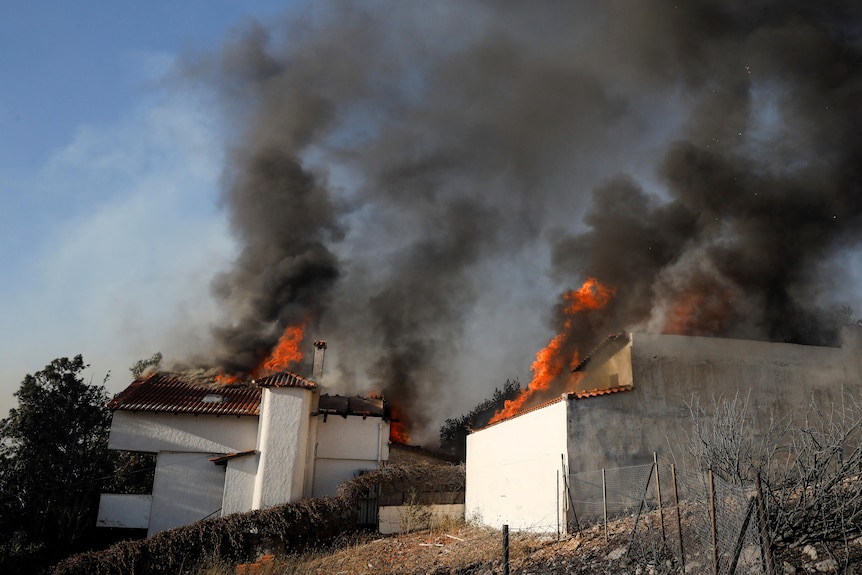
(403,173)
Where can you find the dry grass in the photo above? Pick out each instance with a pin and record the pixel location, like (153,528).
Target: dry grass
(465,549)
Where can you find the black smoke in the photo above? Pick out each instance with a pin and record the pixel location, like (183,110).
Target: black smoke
(402,173)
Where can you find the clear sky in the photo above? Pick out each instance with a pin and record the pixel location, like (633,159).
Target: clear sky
(109,222)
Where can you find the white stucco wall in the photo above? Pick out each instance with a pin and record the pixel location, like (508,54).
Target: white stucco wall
(346,446)
(154,432)
(240,475)
(283,445)
(126,511)
(514,472)
(187,487)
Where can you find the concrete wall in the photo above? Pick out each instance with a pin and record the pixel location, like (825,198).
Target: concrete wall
(154,432)
(513,471)
(668,371)
(240,474)
(283,445)
(126,511)
(187,487)
(346,446)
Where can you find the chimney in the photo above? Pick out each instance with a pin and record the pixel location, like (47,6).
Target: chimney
(317,366)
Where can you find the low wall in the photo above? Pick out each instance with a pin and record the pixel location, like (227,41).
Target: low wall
(401,518)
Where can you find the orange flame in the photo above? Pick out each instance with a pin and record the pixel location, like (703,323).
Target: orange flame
(699,312)
(287,351)
(227,379)
(550,362)
(398,426)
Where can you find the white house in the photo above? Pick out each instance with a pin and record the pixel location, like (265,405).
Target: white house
(227,449)
(629,401)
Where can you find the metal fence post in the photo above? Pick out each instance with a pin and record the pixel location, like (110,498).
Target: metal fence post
(765,539)
(658,492)
(506,549)
(605,503)
(678,517)
(712,521)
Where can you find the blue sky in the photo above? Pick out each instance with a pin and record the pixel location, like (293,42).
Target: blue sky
(109,225)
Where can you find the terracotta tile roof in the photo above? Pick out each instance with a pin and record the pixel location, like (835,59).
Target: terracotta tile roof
(598,392)
(572,395)
(342,405)
(172,393)
(284,379)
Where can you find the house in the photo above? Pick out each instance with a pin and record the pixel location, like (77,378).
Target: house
(228,449)
(629,399)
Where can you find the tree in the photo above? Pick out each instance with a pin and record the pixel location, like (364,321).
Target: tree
(453,433)
(142,365)
(54,448)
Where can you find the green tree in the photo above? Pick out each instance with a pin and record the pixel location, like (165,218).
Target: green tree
(142,365)
(453,433)
(53,452)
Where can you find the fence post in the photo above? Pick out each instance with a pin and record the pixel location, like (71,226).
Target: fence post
(712,521)
(658,492)
(765,539)
(558,505)
(506,549)
(605,503)
(678,517)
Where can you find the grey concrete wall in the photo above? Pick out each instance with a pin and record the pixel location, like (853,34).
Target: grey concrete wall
(667,371)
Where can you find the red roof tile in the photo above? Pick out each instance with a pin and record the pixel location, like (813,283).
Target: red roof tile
(572,395)
(597,392)
(171,393)
(284,379)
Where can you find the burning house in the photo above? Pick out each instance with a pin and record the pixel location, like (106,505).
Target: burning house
(629,399)
(230,448)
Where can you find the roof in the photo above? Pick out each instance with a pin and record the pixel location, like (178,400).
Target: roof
(344,406)
(284,379)
(571,395)
(165,392)
(620,338)
(172,393)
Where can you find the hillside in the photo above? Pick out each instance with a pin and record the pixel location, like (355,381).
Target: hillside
(467,549)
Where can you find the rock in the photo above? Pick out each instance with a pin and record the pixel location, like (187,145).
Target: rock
(749,557)
(789,569)
(693,567)
(810,551)
(857,541)
(826,566)
(616,554)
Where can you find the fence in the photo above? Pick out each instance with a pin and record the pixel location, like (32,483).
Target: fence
(694,519)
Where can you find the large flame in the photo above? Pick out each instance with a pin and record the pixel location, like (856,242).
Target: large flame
(287,352)
(551,361)
(398,425)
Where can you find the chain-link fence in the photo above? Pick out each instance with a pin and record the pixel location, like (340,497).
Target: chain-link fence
(691,520)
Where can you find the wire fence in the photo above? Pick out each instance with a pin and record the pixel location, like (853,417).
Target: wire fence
(691,520)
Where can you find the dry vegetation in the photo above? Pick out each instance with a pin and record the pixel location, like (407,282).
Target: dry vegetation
(467,549)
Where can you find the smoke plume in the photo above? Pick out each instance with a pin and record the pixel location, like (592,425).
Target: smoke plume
(403,174)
